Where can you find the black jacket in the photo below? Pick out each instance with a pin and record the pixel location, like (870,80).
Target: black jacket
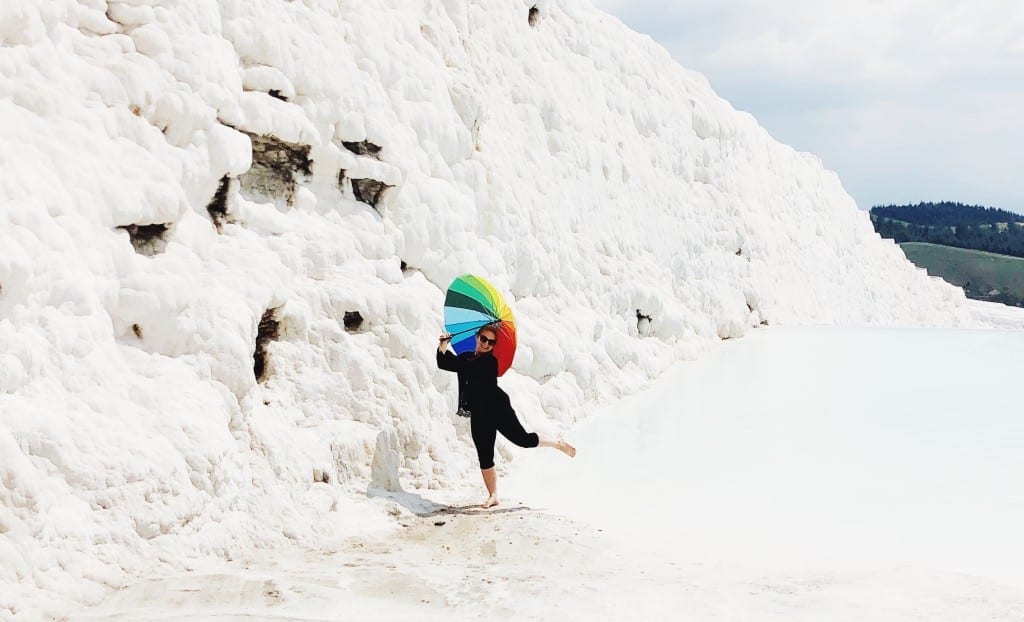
(478,381)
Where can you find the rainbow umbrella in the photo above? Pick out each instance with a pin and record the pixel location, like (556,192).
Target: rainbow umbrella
(472,302)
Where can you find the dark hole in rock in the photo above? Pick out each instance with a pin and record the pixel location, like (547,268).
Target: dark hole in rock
(218,207)
(764,322)
(353,320)
(137,330)
(363,148)
(534,15)
(640,317)
(739,251)
(276,166)
(269,330)
(404,266)
(147,239)
(369,191)
(276,94)
(341,177)
(321,476)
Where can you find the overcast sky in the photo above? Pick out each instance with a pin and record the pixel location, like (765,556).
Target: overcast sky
(908,100)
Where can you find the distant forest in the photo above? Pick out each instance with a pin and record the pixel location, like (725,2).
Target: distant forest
(952,224)
(945,214)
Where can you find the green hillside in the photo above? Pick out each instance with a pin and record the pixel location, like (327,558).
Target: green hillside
(984,276)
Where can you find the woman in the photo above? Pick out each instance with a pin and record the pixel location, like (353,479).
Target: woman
(491,411)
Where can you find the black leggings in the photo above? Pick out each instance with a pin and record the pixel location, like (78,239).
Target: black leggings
(485,426)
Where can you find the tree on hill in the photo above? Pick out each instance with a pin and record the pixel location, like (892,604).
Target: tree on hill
(946,214)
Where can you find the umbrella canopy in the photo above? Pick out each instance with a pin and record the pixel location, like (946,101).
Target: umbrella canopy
(472,302)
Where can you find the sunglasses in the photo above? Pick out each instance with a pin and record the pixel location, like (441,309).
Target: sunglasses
(487,340)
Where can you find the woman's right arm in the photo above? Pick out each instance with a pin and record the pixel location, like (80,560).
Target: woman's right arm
(448,361)
(445,359)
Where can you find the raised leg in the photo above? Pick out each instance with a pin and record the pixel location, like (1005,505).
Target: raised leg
(558,444)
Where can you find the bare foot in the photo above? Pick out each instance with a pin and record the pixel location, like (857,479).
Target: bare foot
(566,448)
(490,503)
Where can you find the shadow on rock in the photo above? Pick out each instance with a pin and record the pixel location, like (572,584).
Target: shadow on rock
(475,510)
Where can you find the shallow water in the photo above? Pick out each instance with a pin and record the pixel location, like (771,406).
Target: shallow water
(817,450)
